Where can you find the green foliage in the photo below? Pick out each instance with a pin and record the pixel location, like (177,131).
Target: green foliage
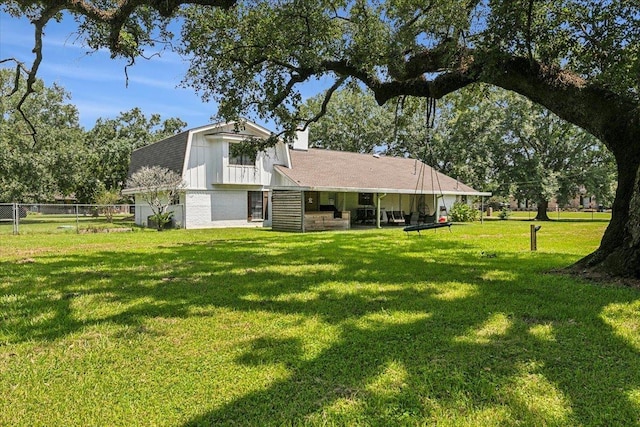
(108,199)
(504,213)
(118,328)
(462,212)
(502,142)
(38,172)
(355,122)
(65,160)
(161,220)
(374,42)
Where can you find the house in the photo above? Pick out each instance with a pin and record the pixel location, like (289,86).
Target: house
(293,188)
(222,189)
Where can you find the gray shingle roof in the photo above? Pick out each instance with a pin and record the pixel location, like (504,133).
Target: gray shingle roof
(317,169)
(168,153)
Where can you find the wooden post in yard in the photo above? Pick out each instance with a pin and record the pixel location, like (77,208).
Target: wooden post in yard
(534,237)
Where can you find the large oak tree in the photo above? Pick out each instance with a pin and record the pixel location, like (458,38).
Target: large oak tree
(49,169)
(578,58)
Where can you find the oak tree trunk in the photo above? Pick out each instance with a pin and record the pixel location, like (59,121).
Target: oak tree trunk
(542,210)
(619,251)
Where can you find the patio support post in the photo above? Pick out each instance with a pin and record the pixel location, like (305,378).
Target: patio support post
(378,209)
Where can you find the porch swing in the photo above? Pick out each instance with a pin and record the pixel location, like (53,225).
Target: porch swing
(430,222)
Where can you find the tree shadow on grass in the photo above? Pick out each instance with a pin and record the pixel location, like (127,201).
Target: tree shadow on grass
(461,368)
(426,329)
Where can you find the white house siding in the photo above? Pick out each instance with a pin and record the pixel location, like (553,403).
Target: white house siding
(142,211)
(218,208)
(216,192)
(198,208)
(230,205)
(203,162)
(447,201)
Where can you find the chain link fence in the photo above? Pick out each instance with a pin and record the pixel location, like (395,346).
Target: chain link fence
(19,218)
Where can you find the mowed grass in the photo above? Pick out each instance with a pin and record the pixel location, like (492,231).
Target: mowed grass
(65,223)
(368,327)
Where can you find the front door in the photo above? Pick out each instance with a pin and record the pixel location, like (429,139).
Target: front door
(256,205)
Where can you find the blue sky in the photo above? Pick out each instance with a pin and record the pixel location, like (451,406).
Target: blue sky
(97,83)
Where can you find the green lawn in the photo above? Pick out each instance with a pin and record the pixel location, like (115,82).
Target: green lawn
(370,328)
(65,223)
(561,215)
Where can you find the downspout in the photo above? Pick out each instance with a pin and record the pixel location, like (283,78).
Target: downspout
(378,210)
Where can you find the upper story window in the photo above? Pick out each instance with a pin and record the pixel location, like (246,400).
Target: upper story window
(241,153)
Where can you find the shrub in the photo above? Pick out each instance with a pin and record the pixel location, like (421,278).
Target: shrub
(461,212)
(505,213)
(160,221)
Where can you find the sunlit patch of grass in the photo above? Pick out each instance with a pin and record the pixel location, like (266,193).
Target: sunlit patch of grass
(496,325)
(503,275)
(624,318)
(634,397)
(543,332)
(451,291)
(391,381)
(347,410)
(304,271)
(384,319)
(465,416)
(537,401)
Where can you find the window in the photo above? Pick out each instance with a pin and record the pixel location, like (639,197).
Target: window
(240,155)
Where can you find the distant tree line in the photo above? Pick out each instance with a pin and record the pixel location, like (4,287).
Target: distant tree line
(66,160)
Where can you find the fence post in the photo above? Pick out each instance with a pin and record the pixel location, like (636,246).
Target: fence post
(77,222)
(16,217)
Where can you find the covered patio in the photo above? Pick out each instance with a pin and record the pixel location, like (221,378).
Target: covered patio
(328,190)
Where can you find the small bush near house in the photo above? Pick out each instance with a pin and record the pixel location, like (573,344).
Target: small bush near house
(160,221)
(461,212)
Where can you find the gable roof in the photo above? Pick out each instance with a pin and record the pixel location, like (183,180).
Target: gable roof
(168,153)
(318,169)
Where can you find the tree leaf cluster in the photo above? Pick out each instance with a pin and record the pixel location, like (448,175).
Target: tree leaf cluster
(37,172)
